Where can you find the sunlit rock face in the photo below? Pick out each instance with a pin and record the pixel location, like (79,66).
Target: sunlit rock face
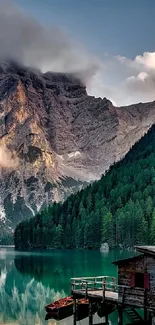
(54,138)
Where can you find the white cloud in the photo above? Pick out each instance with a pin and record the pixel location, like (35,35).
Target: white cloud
(142,76)
(147,60)
(26,41)
(134,80)
(121,79)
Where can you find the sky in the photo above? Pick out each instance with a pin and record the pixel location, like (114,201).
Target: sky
(111,43)
(105,26)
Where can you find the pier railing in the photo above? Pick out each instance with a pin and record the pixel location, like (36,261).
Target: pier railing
(103,283)
(106,288)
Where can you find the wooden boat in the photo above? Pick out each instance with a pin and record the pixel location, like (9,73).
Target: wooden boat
(64,308)
(60,307)
(83,308)
(104,309)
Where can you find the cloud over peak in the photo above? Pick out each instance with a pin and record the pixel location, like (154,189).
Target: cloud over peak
(26,41)
(121,79)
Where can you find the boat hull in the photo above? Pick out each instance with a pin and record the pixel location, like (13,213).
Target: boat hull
(61,307)
(64,308)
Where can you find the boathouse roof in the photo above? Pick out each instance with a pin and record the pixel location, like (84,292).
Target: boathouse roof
(145,250)
(126,260)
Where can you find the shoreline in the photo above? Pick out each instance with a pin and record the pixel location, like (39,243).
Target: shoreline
(7,246)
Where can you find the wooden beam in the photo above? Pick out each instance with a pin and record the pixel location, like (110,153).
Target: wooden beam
(153,319)
(74,311)
(90,313)
(106,319)
(120,315)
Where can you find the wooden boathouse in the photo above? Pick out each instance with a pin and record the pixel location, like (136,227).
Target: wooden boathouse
(134,290)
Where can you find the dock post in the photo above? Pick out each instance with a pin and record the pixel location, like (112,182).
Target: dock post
(106,319)
(90,313)
(150,317)
(145,308)
(74,311)
(153,319)
(120,316)
(145,315)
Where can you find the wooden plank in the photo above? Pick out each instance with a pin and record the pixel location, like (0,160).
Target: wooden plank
(92,277)
(133,291)
(109,295)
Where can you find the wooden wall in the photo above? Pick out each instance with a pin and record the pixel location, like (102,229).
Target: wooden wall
(134,296)
(151,270)
(130,296)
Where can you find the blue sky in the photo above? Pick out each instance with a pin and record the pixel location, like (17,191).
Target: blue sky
(110,43)
(124,27)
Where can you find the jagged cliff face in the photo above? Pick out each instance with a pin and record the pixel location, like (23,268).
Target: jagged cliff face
(54,138)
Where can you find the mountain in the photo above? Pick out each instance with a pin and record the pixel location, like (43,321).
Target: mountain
(54,138)
(118,209)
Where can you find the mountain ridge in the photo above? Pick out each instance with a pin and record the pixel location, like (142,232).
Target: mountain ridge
(119,209)
(54,133)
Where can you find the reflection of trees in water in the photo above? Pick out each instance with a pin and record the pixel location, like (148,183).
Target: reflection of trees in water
(49,271)
(26,307)
(32,281)
(56,269)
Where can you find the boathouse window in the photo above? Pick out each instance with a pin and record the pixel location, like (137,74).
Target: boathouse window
(140,280)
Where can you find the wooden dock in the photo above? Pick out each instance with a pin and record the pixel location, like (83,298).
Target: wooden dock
(104,291)
(97,294)
(102,288)
(135,289)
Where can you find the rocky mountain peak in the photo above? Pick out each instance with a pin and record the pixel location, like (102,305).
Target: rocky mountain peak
(55,138)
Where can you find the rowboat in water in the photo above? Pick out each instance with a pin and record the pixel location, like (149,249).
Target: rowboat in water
(63,308)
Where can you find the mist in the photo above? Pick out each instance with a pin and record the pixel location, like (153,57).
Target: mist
(25,40)
(121,79)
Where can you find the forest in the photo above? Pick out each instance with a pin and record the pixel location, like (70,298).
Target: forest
(118,209)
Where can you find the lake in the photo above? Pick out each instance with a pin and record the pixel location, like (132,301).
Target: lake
(28,281)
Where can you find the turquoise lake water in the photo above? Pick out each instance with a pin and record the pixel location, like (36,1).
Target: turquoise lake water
(28,281)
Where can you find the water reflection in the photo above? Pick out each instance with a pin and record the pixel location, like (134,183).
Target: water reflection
(22,299)
(26,306)
(30,281)
(54,269)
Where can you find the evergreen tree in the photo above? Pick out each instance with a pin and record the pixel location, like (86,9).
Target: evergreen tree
(118,209)
(152,230)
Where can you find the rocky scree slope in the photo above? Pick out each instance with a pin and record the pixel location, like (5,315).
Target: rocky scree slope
(56,138)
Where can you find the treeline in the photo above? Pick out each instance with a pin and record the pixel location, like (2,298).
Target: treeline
(118,209)
(7,239)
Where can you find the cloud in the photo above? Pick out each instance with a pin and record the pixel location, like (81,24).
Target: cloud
(121,79)
(6,159)
(147,60)
(141,85)
(130,81)
(26,41)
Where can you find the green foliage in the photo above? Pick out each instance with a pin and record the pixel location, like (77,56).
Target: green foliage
(6,239)
(118,209)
